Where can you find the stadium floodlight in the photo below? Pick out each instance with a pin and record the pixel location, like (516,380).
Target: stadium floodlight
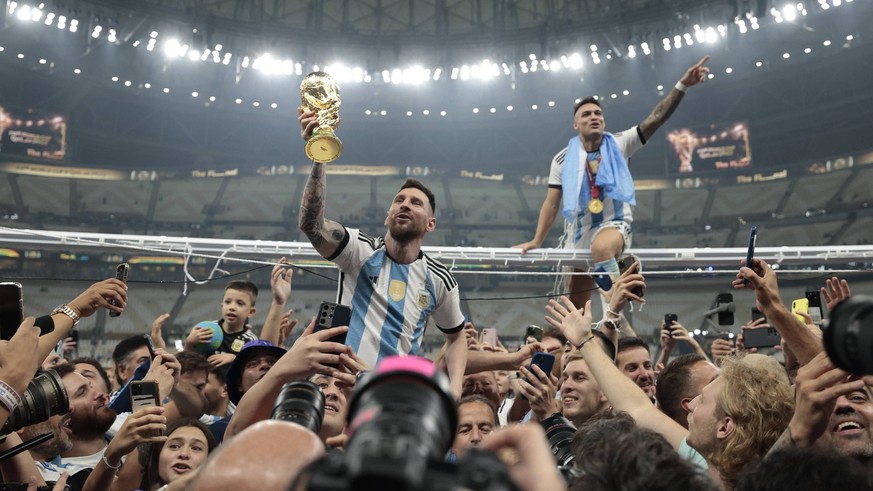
(128,83)
(625,92)
(396,76)
(475,110)
(368,112)
(227,56)
(36,14)
(193,55)
(436,73)
(551,103)
(728,70)
(77,71)
(575,61)
(465,72)
(112,36)
(631,51)
(147,85)
(195,94)
(509,108)
(11,7)
(23,13)
(534,107)
(50,18)
(493,110)
(555,65)
(238,100)
(96,32)
(385,113)
(711,35)
(212,99)
(425,112)
(409,113)
(646,49)
(256,104)
(660,87)
(166,90)
(442,113)
(789,12)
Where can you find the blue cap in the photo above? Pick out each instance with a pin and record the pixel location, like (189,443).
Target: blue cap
(248,351)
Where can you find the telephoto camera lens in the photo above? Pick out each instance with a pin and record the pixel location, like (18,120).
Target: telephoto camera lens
(560,432)
(300,402)
(45,397)
(848,338)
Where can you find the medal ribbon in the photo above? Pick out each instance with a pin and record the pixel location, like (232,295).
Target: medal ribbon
(595,192)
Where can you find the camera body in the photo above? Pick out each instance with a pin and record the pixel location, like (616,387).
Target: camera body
(848,336)
(401,424)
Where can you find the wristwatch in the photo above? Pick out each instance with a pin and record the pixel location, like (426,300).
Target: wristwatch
(66,310)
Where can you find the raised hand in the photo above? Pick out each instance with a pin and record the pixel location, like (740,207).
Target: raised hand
(696,74)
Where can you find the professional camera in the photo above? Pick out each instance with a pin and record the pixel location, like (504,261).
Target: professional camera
(560,432)
(402,422)
(45,397)
(848,337)
(300,402)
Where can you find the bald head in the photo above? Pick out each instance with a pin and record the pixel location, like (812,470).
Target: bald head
(266,455)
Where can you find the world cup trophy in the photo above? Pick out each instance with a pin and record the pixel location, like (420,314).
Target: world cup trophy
(319,93)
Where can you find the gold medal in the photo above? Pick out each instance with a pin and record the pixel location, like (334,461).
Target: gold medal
(595,206)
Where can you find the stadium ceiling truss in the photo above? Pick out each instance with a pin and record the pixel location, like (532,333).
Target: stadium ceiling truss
(430,23)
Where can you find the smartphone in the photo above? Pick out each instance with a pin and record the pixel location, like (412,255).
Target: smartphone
(543,360)
(669,319)
(814,301)
(11,309)
(623,265)
(753,237)
(333,315)
(757,314)
(150,344)
(144,393)
(533,332)
(761,338)
(725,318)
(800,305)
(489,335)
(121,272)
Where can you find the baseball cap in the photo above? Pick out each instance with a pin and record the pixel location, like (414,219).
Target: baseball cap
(248,351)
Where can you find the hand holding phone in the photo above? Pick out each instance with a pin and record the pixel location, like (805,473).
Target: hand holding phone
(489,335)
(533,333)
(121,272)
(800,305)
(624,264)
(543,360)
(669,319)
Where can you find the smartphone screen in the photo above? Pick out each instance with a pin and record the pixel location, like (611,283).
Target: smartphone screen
(121,272)
(725,318)
(11,309)
(815,311)
(669,319)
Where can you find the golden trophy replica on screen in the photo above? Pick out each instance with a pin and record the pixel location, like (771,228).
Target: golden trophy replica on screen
(320,93)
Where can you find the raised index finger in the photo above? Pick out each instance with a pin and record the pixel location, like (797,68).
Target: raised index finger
(702,61)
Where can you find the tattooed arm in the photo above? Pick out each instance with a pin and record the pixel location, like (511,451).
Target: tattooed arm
(693,76)
(325,235)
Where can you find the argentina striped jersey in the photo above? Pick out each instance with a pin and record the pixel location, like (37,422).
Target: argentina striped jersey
(391,302)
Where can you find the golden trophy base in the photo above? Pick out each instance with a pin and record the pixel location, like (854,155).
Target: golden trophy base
(324,148)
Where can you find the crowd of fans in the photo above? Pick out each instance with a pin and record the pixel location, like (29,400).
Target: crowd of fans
(605,416)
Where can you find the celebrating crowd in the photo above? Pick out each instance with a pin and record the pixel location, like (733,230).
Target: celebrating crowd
(581,405)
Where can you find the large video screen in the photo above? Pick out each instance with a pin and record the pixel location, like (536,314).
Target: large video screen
(708,148)
(33,133)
